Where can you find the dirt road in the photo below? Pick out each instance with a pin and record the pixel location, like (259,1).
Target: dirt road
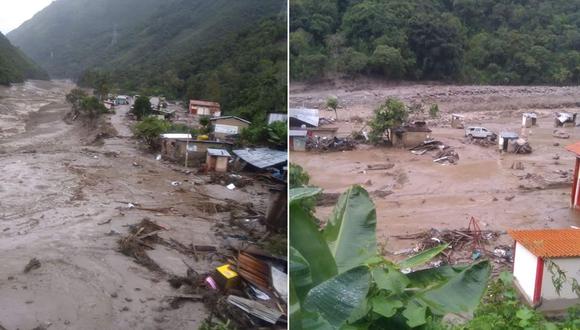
(428,195)
(67,204)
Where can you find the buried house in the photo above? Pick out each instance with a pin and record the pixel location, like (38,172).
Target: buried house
(217,160)
(529,119)
(538,255)
(412,135)
(564,119)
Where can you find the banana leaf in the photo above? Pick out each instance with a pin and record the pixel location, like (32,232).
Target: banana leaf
(307,240)
(297,194)
(423,257)
(337,298)
(460,294)
(351,229)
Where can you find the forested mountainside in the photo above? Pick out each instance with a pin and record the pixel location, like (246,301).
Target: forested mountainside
(229,51)
(15,66)
(471,41)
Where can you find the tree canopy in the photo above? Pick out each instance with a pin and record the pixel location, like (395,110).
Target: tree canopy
(487,42)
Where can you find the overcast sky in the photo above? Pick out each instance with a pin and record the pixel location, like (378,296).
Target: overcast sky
(15,12)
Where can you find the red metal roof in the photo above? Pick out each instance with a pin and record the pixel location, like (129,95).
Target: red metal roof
(203,103)
(575,148)
(551,243)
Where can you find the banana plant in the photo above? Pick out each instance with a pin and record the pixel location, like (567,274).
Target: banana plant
(339,281)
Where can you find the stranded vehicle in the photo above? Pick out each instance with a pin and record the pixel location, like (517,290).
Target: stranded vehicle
(480,133)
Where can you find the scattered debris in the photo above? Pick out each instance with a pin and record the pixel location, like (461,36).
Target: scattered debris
(325,144)
(32,264)
(560,135)
(104,222)
(517,165)
(256,309)
(377,167)
(448,154)
(509,198)
(231,186)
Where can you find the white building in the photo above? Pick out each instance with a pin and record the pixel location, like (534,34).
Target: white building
(534,252)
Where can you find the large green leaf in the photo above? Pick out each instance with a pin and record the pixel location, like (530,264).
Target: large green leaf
(336,299)
(351,229)
(460,294)
(434,276)
(390,279)
(415,313)
(307,240)
(299,273)
(297,194)
(422,257)
(386,306)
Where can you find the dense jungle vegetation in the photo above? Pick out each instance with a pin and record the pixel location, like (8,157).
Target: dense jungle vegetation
(468,41)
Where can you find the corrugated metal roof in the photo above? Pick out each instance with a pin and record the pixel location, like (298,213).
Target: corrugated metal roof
(509,135)
(218,152)
(233,117)
(176,136)
(274,117)
(575,148)
(309,116)
(551,243)
(262,157)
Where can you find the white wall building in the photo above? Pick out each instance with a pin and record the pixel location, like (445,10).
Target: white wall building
(534,250)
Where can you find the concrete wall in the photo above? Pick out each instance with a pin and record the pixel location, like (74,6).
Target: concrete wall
(572,268)
(409,139)
(525,264)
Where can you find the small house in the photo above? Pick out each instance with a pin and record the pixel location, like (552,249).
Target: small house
(575,195)
(155,103)
(217,160)
(228,125)
(274,117)
(529,119)
(204,108)
(122,100)
(297,139)
(537,253)
(564,119)
(457,121)
(409,136)
(182,148)
(504,140)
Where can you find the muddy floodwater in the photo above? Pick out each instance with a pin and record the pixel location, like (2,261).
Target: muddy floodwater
(67,203)
(424,194)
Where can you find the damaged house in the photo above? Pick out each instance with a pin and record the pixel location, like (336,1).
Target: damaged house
(410,135)
(529,119)
(575,194)
(564,119)
(182,148)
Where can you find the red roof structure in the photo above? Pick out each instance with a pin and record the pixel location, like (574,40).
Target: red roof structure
(549,243)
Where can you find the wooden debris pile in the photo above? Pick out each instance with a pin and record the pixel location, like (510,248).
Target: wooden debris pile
(330,144)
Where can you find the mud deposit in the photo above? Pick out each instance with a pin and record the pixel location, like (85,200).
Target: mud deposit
(429,195)
(67,205)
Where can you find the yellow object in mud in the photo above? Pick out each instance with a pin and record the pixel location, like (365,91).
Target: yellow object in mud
(203,137)
(227,278)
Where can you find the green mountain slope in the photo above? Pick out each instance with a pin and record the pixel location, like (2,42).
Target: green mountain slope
(487,41)
(15,66)
(70,36)
(229,51)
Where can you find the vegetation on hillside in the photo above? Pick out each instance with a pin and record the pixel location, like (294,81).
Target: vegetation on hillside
(85,106)
(15,66)
(490,41)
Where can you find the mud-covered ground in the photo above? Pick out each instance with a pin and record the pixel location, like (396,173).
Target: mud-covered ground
(66,203)
(429,195)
